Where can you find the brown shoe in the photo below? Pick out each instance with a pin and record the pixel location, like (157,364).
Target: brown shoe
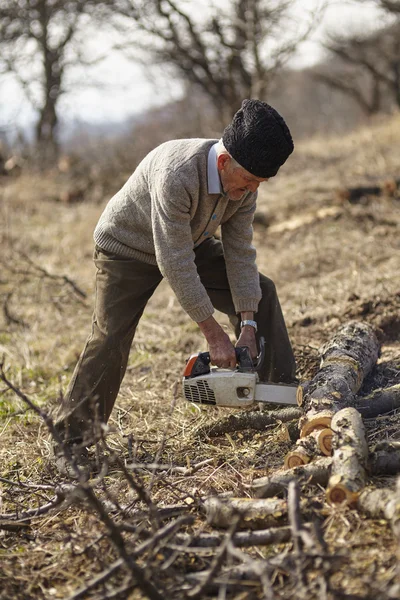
(75,464)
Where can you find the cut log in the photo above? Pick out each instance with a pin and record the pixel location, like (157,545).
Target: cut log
(350,458)
(257,420)
(317,443)
(315,473)
(263,537)
(255,513)
(385,459)
(381,503)
(315,421)
(379,402)
(297,458)
(345,360)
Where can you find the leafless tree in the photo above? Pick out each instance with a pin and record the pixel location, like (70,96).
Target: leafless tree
(38,43)
(230,53)
(365,67)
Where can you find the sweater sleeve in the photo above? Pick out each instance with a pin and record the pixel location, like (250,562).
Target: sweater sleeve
(173,243)
(240,257)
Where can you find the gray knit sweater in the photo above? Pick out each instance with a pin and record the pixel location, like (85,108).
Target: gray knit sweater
(165,210)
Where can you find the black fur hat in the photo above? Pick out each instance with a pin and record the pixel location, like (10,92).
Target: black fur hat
(258,138)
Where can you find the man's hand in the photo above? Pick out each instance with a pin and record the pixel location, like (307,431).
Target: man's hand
(248,338)
(222,352)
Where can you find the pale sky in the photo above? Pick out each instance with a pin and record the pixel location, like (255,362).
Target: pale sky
(129,88)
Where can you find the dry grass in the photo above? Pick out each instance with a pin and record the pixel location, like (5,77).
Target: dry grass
(328,266)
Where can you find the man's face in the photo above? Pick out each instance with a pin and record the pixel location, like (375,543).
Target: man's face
(236,181)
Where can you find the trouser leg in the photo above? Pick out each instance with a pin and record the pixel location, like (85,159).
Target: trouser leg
(123,288)
(279,363)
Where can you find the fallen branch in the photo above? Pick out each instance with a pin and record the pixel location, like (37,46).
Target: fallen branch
(350,458)
(23,515)
(9,318)
(381,503)
(197,591)
(379,402)
(14,526)
(48,275)
(249,420)
(385,459)
(86,490)
(253,512)
(315,473)
(100,578)
(185,471)
(263,537)
(162,535)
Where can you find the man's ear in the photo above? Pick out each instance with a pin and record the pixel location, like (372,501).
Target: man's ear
(223,161)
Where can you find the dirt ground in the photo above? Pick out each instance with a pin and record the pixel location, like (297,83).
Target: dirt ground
(334,257)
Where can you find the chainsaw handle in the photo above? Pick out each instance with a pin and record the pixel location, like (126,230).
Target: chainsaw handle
(199,364)
(243,357)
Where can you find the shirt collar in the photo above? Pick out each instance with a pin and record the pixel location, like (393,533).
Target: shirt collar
(214,184)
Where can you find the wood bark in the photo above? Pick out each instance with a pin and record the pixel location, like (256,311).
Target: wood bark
(379,402)
(345,360)
(385,460)
(255,513)
(297,458)
(315,473)
(263,537)
(350,458)
(257,420)
(383,502)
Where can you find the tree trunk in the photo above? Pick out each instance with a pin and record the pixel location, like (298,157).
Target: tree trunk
(350,458)
(315,473)
(345,361)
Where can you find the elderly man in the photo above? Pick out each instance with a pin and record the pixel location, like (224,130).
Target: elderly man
(162,223)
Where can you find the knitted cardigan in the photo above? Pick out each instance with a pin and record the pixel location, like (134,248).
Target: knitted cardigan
(165,210)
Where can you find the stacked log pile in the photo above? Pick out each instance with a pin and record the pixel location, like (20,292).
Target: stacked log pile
(332,450)
(345,361)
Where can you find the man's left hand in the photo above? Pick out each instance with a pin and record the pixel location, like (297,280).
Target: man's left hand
(248,338)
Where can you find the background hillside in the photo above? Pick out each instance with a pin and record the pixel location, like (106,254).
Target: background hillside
(334,257)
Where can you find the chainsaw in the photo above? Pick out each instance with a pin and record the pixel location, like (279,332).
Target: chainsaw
(235,388)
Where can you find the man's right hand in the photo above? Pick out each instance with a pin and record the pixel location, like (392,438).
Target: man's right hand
(222,351)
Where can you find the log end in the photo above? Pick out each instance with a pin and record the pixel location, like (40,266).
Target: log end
(339,495)
(297,458)
(316,422)
(300,395)
(325,441)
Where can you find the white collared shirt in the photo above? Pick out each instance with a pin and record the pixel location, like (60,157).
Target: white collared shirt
(214,183)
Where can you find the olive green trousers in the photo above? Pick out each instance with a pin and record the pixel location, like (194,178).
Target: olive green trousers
(123,288)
